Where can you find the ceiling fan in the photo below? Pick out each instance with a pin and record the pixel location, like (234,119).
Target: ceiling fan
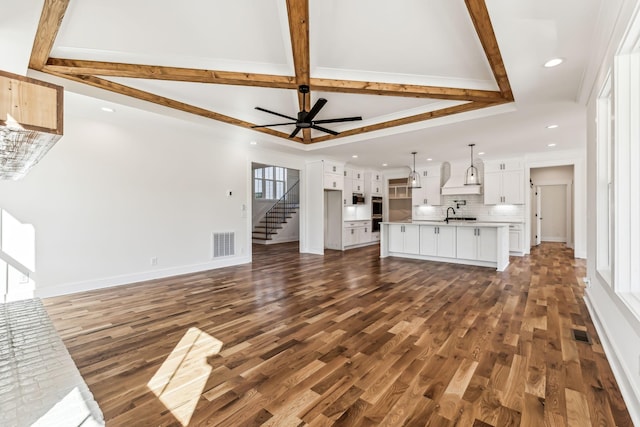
(305,118)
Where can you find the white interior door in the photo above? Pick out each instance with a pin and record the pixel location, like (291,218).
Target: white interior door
(553,213)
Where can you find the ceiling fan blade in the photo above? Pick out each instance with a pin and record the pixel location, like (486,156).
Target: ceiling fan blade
(315,109)
(332,132)
(277,114)
(273,124)
(343,119)
(295,132)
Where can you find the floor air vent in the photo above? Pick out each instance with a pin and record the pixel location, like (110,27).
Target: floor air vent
(582,336)
(224,244)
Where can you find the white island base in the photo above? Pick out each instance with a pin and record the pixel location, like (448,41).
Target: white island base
(485,244)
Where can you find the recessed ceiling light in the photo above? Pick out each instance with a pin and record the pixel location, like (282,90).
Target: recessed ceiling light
(108,109)
(552,126)
(355,156)
(481,153)
(553,62)
(551,145)
(429,159)
(384,164)
(253,143)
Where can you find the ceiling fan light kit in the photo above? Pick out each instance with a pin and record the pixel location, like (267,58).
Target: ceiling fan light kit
(305,118)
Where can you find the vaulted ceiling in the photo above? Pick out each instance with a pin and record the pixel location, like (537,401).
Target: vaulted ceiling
(399,66)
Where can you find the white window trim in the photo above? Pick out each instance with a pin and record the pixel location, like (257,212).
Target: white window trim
(604,213)
(626,268)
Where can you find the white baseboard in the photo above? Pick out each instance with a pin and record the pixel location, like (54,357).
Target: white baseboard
(126,279)
(554,239)
(627,389)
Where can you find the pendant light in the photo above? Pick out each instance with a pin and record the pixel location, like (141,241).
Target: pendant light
(414,178)
(472,177)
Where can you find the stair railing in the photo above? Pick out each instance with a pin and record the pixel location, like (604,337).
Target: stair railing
(277,214)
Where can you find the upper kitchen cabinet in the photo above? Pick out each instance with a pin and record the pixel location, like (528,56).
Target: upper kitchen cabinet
(429,193)
(333,176)
(374,179)
(504,182)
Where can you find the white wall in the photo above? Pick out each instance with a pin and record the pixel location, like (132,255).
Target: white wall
(117,191)
(617,326)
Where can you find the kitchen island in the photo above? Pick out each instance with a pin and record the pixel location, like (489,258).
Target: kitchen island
(472,242)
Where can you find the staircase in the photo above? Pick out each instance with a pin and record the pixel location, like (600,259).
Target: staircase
(277,216)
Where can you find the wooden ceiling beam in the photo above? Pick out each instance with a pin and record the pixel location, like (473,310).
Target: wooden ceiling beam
(156,72)
(167,102)
(482,23)
(470,106)
(406,90)
(298,13)
(52,13)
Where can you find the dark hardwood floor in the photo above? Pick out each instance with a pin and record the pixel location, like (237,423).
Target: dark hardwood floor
(346,339)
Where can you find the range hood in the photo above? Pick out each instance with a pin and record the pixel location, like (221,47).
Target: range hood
(454,183)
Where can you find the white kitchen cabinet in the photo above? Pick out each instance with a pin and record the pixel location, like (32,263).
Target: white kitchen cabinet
(357,233)
(357,174)
(333,181)
(376,188)
(404,238)
(438,240)
(516,239)
(503,182)
(333,168)
(503,165)
(365,235)
(477,243)
(333,175)
(347,192)
(374,182)
(353,183)
(429,193)
(350,236)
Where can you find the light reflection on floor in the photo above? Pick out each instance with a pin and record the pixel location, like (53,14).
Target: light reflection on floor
(181,379)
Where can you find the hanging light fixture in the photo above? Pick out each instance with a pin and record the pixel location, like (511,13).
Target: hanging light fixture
(414,178)
(472,177)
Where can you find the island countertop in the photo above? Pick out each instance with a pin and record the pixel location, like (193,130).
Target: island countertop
(462,242)
(455,223)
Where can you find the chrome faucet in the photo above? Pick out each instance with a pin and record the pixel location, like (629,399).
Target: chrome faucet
(447,218)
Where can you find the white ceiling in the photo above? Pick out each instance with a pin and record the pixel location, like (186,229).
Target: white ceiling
(426,42)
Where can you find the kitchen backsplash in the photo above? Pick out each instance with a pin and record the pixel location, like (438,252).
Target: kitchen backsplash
(474,207)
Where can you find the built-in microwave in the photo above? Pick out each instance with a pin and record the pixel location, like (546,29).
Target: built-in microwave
(358,199)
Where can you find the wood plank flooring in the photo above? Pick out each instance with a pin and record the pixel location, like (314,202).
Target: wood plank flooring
(347,339)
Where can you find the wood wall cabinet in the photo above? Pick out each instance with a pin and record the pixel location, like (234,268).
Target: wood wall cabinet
(504,182)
